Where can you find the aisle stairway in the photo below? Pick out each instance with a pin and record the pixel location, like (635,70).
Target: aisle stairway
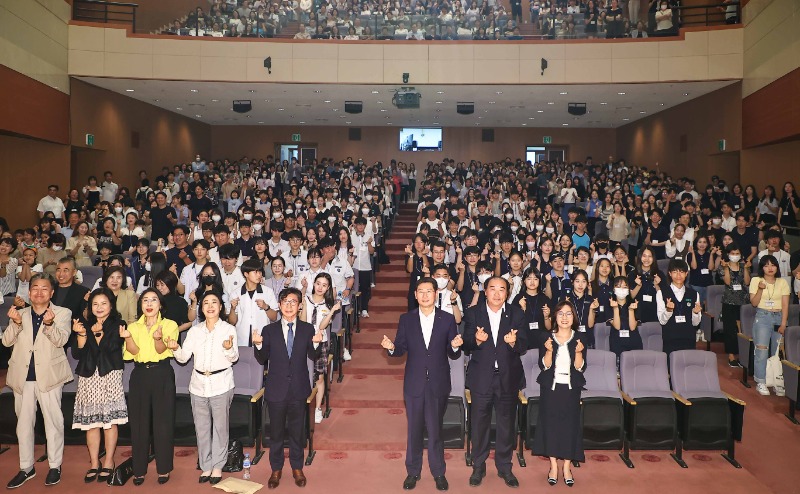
(368,411)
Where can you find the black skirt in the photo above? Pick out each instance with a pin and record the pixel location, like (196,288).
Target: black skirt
(558,429)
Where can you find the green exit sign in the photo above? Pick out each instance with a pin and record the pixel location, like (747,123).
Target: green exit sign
(295,137)
(722,145)
(90,140)
(547,139)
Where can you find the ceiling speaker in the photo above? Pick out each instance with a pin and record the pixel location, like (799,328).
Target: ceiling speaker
(242,105)
(353,106)
(576,109)
(464,108)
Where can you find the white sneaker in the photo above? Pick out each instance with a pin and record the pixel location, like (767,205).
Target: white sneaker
(364,313)
(762,389)
(780,391)
(347,356)
(372,285)
(318,416)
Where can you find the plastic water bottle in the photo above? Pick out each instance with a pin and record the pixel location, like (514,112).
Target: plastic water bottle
(246,467)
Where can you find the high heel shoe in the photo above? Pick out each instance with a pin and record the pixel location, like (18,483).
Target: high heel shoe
(163,479)
(552,480)
(569,482)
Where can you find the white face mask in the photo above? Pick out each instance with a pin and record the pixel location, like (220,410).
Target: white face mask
(257,227)
(351,199)
(331,218)
(549,230)
(453,212)
(509,216)
(365,211)
(57,248)
(483,277)
(530,245)
(335,195)
(442,283)
(716,221)
(621,292)
(248,216)
(289,211)
(147,266)
(514,228)
(735,258)
(497,241)
(216,217)
(539,228)
(368,197)
(118,210)
(276,214)
(447,184)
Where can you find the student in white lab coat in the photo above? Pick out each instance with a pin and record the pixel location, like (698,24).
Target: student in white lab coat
(254,305)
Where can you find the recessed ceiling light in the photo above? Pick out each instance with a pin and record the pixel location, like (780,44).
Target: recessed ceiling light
(686,94)
(335,109)
(604,103)
(179,108)
(565,124)
(485,111)
(327,101)
(531,118)
(625,119)
(379,102)
(480,117)
(156,100)
(642,112)
(621,94)
(348,123)
(383,109)
(193,90)
(199,116)
(261,122)
(438,102)
(280,109)
(304,122)
(129,90)
(550,103)
(342,116)
(316,91)
(438,110)
(388,123)
(492,102)
(498,92)
(524,124)
(215,101)
(661,104)
(539,111)
(562,93)
(375,92)
(439,92)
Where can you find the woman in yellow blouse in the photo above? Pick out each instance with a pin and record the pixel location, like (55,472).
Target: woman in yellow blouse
(769,294)
(114,279)
(152,387)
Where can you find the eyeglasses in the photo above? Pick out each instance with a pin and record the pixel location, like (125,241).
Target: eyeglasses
(289,302)
(564,314)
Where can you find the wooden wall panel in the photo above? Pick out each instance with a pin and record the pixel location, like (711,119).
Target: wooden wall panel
(33,109)
(772,114)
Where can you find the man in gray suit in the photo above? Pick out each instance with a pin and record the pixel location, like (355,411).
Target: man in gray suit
(37,372)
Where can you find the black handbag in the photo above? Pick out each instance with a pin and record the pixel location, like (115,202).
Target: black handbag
(122,473)
(235,461)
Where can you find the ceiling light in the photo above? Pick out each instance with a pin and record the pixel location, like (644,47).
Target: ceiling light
(383,109)
(193,90)
(499,92)
(530,118)
(261,122)
(129,90)
(199,116)
(539,111)
(348,123)
(661,104)
(603,103)
(335,109)
(524,124)
(563,93)
(388,123)
(565,124)
(686,94)
(304,122)
(215,101)
(642,112)
(327,101)
(280,109)
(156,100)
(492,102)
(342,116)
(375,92)
(621,94)
(480,117)
(550,103)
(179,108)
(439,92)
(380,102)
(316,91)
(625,119)
(438,102)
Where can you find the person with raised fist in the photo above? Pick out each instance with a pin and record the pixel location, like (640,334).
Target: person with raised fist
(429,337)
(37,372)
(151,395)
(214,347)
(679,310)
(494,377)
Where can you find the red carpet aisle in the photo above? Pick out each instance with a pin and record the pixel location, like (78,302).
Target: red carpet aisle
(360,447)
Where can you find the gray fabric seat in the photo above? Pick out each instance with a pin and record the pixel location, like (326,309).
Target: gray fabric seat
(529,401)
(745,340)
(693,374)
(643,374)
(603,417)
(602,332)
(454,424)
(713,307)
(651,333)
(90,275)
(791,368)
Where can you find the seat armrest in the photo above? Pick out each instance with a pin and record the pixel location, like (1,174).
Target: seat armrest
(349,310)
(312,395)
(468,395)
(627,398)
(744,337)
(259,394)
(790,364)
(681,399)
(340,332)
(522,398)
(330,359)
(357,294)
(735,400)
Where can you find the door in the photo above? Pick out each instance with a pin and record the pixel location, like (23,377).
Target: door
(307,155)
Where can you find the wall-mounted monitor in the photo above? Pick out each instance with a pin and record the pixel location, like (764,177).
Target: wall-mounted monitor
(420,139)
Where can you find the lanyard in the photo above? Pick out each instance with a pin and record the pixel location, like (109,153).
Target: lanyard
(580,310)
(533,306)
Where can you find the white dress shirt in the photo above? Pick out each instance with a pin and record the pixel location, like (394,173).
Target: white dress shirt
(232,282)
(494,323)
(661,306)
(363,261)
(249,315)
(427,326)
(209,356)
(190,278)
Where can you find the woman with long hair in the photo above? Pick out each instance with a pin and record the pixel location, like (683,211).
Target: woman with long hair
(769,294)
(646,281)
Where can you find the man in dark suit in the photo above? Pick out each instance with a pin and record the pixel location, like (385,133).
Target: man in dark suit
(429,336)
(494,376)
(284,348)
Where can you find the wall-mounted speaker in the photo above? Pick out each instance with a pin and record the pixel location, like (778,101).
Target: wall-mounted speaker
(353,106)
(242,105)
(576,109)
(487,135)
(354,133)
(465,108)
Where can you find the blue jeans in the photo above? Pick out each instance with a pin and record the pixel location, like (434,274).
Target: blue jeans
(764,338)
(701,290)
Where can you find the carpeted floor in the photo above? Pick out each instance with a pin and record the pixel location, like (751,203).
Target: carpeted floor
(361,446)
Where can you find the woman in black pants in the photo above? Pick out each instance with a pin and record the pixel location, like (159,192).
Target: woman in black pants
(735,273)
(151,395)
(562,359)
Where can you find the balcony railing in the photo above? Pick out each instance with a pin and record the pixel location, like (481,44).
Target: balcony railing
(105,12)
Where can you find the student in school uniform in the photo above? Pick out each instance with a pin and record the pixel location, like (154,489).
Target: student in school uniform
(253,306)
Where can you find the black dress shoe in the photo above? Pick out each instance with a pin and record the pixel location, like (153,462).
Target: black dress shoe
(441,483)
(163,479)
(203,479)
(20,478)
(509,479)
(214,480)
(410,482)
(477,476)
(53,476)
(138,480)
(91,475)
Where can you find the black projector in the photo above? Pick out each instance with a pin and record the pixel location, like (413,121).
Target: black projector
(404,100)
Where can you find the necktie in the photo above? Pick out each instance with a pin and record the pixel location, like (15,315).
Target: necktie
(314,316)
(440,300)
(290,339)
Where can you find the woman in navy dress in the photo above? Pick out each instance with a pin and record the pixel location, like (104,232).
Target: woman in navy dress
(562,360)
(624,335)
(644,283)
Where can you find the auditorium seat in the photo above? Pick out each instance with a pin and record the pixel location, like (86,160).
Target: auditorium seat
(8,301)
(791,368)
(454,425)
(713,307)
(245,411)
(663,265)
(90,275)
(529,402)
(650,414)
(651,333)
(745,339)
(71,436)
(185,434)
(708,418)
(603,418)
(602,333)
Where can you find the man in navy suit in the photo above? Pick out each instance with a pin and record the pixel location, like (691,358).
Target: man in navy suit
(429,336)
(494,376)
(284,348)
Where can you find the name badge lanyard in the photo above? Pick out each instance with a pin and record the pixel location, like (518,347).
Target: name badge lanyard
(534,307)
(580,311)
